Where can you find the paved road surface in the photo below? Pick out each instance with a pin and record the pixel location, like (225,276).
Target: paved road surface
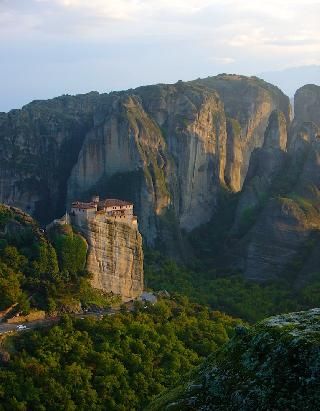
(7,328)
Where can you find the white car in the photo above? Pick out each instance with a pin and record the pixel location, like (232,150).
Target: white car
(21,327)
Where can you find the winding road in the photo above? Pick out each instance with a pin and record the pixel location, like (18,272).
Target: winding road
(6,328)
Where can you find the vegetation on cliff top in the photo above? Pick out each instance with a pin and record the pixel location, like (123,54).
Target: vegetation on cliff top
(37,273)
(274,365)
(71,249)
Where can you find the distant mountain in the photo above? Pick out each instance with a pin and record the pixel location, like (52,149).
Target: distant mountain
(289,80)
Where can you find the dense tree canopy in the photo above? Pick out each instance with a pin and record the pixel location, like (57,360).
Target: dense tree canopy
(118,363)
(45,271)
(71,250)
(229,292)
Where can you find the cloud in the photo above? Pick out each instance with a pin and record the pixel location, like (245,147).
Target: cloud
(222,60)
(229,22)
(132,7)
(153,40)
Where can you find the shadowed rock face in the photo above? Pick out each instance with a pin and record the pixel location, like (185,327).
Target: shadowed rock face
(280,230)
(180,159)
(281,197)
(265,165)
(39,146)
(307,104)
(276,133)
(248,101)
(168,148)
(172,150)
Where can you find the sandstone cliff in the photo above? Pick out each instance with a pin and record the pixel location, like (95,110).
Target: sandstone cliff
(307,104)
(173,139)
(193,123)
(115,256)
(174,150)
(170,149)
(248,101)
(278,215)
(39,145)
(265,165)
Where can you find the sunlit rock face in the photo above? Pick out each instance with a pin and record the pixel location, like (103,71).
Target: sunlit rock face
(248,103)
(170,149)
(278,213)
(115,256)
(173,140)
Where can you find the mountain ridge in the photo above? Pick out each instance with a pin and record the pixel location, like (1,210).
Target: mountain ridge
(174,151)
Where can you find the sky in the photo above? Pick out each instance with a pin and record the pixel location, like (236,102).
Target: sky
(54,47)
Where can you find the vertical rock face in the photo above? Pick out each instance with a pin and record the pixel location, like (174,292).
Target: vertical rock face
(281,228)
(249,101)
(39,145)
(281,197)
(174,138)
(307,104)
(170,149)
(265,164)
(276,133)
(126,142)
(193,122)
(234,161)
(115,256)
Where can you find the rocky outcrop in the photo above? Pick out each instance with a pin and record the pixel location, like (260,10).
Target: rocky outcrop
(193,122)
(249,101)
(177,143)
(278,211)
(307,104)
(265,165)
(15,222)
(39,146)
(173,138)
(115,256)
(174,150)
(276,133)
(125,143)
(271,366)
(233,171)
(170,149)
(275,239)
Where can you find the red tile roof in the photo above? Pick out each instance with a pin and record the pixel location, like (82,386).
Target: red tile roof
(109,202)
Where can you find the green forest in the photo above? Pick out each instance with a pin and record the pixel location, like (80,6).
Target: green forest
(230,292)
(119,362)
(43,271)
(130,357)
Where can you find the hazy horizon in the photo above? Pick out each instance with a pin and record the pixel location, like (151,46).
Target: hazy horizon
(74,46)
